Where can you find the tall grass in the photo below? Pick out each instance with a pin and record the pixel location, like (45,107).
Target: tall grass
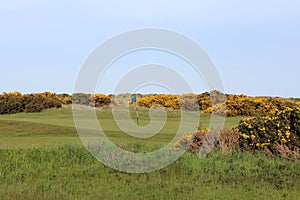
(70,172)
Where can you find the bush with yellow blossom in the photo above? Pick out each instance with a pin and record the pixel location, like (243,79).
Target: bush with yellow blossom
(15,102)
(281,127)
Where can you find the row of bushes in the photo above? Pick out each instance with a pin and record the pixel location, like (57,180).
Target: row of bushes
(15,102)
(96,100)
(93,100)
(213,102)
(218,103)
(191,102)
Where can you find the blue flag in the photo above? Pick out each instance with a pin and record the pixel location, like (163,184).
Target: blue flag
(133,99)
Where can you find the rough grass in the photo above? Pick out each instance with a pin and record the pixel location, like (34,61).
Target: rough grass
(70,172)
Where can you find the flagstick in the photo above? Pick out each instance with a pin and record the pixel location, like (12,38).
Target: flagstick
(137,114)
(136,109)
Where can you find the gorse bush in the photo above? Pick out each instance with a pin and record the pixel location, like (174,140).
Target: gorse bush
(101,100)
(94,100)
(185,101)
(209,102)
(82,99)
(11,102)
(227,140)
(217,103)
(243,105)
(15,102)
(267,132)
(65,98)
(41,101)
(274,134)
(165,100)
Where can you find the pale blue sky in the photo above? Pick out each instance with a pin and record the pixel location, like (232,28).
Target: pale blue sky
(254,44)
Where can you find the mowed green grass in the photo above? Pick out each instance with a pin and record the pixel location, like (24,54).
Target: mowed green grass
(56,127)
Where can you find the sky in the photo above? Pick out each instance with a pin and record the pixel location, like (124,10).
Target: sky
(255,45)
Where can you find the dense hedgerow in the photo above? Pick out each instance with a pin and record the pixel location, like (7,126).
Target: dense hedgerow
(209,102)
(218,103)
(15,102)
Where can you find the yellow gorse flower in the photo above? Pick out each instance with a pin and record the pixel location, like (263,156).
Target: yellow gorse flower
(279,133)
(283,140)
(287,133)
(245,136)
